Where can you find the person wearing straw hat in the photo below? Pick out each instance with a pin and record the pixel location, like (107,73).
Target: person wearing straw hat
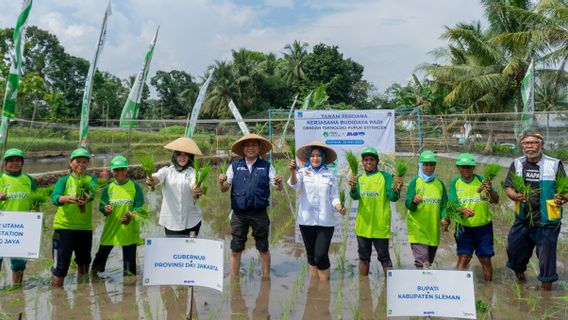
(374,190)
(318,198)
(426,200)
(15,187)
(538,218)
(73,221)
(180,214)
(475,232)
(120,201)
(249,179)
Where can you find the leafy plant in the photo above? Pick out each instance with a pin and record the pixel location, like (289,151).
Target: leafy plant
(148,165)
(37,198)
(520,186)
(353,162)
(491,171)
(453,214)
(141,216)
(400,170)
(223,167)
(84,190)
(342,194)
(292,149)
(201,172)
(562,185)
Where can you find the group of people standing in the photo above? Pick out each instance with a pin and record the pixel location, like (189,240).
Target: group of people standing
(249,179)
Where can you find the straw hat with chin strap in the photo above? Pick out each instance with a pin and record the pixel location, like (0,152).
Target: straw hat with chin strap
(330,155)
(265,145)
(184,144)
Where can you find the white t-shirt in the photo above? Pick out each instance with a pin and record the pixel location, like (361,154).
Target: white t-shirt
(317,197)
(179,210)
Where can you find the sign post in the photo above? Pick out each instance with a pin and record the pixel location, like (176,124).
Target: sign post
(20,234)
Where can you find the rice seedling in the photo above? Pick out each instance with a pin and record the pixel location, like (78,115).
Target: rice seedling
(223,167)
(148,165)
(453,214)
(84,190)
(292,149)
(400,170)
(37,198)
(353,162)
(491,171)
(561,185)
(298,285)
(201,172)
(342,194)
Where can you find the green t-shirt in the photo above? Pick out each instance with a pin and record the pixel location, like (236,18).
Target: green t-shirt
(423,219)
(17,188)
(374,192)
(465,193)
(122,197)
(69,216)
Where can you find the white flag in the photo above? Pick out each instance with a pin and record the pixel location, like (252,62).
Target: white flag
(238,117)
(87,93)
(192,120)
(527,93)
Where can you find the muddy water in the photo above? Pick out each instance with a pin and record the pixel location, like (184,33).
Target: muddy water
(289,294)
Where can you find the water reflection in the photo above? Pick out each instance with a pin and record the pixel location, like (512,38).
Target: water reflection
(239,308)
(317,300)
(176,302)
(114,304)
(67,304)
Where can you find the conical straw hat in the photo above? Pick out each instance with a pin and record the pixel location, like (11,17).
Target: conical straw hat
(265,145)
(330,155)
(184,144)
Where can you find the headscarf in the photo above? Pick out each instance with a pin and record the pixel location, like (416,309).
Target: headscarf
(425,177)
(308,163)
(178,167)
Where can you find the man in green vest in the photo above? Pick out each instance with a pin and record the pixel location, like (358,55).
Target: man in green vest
(538,217)
(476,230)
(15,188)
(374,190)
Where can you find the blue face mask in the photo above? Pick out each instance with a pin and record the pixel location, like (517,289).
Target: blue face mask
(308,163)
(425,177)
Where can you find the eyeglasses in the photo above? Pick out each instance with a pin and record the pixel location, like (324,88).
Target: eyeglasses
(530,143)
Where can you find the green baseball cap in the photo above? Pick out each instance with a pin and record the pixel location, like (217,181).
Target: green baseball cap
(465,159)
(369,151)
(118,162)
(80,152)
(427,156)
(13,152)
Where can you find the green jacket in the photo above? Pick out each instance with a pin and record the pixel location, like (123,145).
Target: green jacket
(374,192)
(423,219)
(122,197)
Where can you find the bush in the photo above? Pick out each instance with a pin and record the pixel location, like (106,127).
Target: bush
(560,153)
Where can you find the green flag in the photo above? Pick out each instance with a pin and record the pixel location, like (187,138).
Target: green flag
(13,80)
(86,104)
(132,105)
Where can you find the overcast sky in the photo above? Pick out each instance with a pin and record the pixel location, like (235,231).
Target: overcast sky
(388,37)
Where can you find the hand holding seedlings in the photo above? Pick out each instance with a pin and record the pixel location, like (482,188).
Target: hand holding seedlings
(417,199)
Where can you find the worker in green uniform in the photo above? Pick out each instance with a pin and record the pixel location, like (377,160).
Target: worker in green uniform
(426,202)
(120,201)
(15,188)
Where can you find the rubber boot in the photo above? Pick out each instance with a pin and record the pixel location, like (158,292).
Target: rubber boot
(363,268)
(17,277)
(57,281)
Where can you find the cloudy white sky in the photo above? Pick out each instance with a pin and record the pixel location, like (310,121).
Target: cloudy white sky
(388,37)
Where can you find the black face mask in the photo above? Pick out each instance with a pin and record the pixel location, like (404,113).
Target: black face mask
(177,165)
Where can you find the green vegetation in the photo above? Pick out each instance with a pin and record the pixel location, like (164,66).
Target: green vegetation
(352,162)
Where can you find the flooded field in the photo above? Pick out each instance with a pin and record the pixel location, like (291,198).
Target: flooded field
(290,293)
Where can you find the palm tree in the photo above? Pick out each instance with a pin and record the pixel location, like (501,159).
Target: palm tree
(295,55)
(223,89)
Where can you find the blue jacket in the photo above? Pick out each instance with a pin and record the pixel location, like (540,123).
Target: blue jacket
(250,190)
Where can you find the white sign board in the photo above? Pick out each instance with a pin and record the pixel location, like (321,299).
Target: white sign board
(20,234)
(184,261)
(346,130)
(430,293)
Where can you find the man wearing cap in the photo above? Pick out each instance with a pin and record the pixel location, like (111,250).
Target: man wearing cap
(120,201)
(15,188)
(475,232)
(374,190)
(538,218)
(249,179)
(73,221)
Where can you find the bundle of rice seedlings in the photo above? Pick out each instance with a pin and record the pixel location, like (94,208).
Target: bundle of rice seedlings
(400,170)
(520,185)
(342,195)
(292,149)
(353,162)
(84,190)
(37,198)
(561,185)
(148,165)
(223,167)
(201,172)
(491,171)
(453,214)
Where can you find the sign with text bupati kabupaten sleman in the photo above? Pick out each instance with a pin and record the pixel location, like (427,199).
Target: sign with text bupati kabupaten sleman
(20,234)
(430,293)
(184,261)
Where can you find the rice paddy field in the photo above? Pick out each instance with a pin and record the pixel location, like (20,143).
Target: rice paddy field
(290,293)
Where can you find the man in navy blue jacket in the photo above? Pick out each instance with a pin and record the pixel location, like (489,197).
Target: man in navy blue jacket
(249,179)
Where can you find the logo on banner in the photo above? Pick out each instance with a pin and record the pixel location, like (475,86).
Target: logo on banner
(300,114)
(356,134)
